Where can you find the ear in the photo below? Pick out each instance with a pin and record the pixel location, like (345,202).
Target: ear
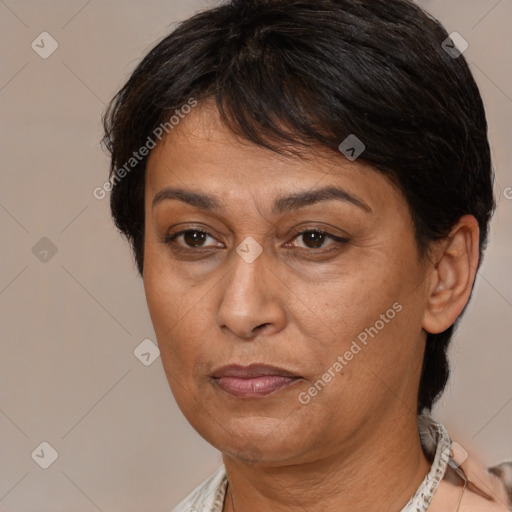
(453,275)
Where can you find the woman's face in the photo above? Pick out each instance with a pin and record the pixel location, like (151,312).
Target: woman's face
(343,313)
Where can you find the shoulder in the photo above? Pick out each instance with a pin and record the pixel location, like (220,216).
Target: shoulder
(206,497)
(503,474)
(472,502)
(485,492)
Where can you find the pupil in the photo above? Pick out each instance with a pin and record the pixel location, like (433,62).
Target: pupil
(193,236)
(316,238)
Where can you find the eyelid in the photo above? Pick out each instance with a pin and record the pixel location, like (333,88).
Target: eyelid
(168,239)
(329,235)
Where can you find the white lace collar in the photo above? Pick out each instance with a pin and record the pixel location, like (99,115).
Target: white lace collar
(436,443)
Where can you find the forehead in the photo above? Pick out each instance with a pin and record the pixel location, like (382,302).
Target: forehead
(202,153)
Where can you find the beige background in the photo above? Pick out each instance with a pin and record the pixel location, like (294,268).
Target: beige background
(69,326)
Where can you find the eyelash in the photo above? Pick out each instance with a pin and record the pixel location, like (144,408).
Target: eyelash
(168,240)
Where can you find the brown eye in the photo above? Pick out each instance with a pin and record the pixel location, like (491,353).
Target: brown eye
(192,238)
(314,238)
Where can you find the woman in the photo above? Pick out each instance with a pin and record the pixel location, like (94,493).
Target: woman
(307,188)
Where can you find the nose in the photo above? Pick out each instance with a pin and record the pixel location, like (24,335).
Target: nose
(251,303)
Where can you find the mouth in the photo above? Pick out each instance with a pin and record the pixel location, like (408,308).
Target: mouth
(255,380)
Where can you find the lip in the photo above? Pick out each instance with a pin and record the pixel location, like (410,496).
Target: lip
(255,380)
(252,370)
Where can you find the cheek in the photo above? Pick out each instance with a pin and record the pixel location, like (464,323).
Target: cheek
(169,309)
(180,340)
(371,318)
(339,306)
(165,292)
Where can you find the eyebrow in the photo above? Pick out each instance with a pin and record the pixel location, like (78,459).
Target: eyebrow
(281,205)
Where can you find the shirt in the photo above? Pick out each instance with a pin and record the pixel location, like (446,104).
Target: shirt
(436,443)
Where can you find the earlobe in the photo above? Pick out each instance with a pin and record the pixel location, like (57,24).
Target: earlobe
(453,275)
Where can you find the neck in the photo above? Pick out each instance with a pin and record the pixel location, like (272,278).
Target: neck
(380,470)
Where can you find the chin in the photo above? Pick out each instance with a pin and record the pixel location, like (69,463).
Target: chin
(253,440)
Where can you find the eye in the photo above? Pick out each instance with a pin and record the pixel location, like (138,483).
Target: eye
(196,238)
(315,238)
(193,238)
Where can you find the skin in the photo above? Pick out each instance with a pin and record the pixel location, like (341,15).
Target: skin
(355,445)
